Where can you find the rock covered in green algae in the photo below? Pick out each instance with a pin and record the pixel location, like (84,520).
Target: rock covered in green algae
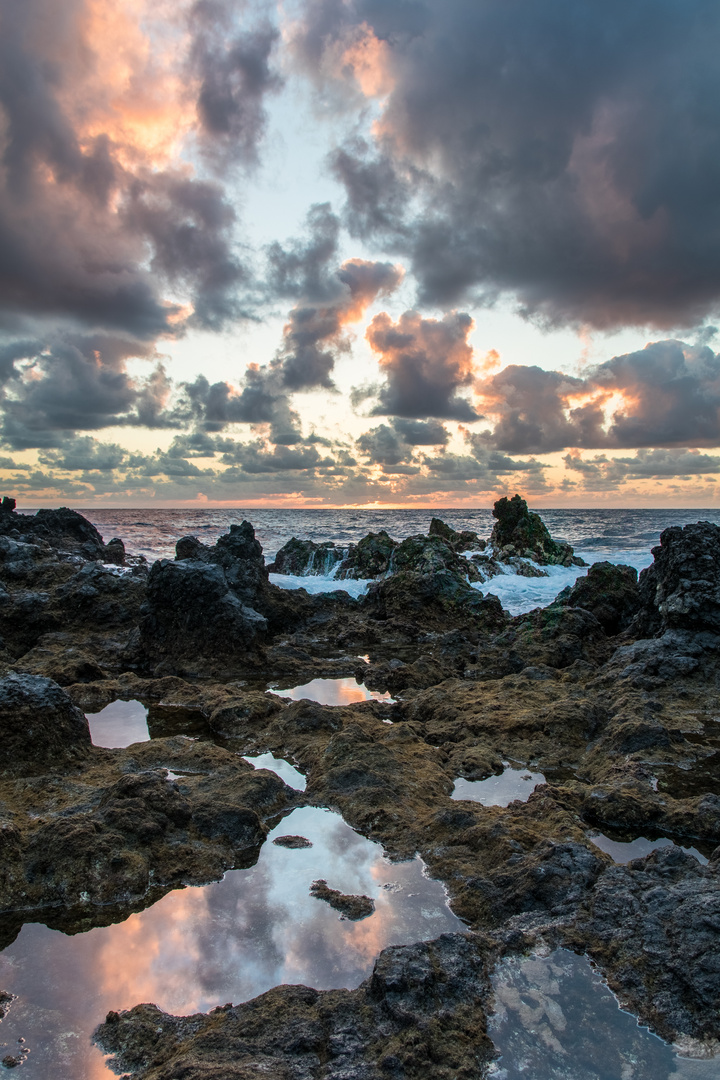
(349,905)
(520,532)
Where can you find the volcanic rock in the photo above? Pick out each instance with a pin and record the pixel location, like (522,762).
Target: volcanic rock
(519,532)
(40,728)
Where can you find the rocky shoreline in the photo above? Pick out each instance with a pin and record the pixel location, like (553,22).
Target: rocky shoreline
(610,692)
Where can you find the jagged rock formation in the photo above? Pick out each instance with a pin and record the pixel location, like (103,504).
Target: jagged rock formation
(519,532)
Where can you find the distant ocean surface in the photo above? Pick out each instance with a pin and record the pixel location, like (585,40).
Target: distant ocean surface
(619,536)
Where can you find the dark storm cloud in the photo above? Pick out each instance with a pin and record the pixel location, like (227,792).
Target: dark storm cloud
(667,394)
(421,432)
(425,363)
(72,384)
(329,296)
(566,154)
(236,76)
(100,223)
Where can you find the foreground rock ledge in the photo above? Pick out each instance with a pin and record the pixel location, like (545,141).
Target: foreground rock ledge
(610,692)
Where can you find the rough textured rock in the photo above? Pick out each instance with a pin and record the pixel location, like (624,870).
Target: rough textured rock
(371,557)
(40,728)
(124,833)
(420,1014)
(519,532)
(609,592)
(193,621)
(681,589)
(304,558)
(461,541)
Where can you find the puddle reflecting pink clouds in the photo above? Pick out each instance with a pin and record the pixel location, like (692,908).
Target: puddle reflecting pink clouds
(229,941)
(334,692)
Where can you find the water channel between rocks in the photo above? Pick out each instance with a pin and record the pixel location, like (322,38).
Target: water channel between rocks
(228,941)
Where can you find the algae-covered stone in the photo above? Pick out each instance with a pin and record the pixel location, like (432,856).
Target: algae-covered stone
(520,532)
(369,558)
(349,905)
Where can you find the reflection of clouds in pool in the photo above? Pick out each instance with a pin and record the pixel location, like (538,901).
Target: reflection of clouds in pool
(287,772)
(512,784)
(228,941)
(333,692)
(555,1018)
(121,723)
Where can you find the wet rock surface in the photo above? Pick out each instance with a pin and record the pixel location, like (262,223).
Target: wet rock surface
(610,692)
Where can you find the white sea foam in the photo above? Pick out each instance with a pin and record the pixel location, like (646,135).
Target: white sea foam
(316,584)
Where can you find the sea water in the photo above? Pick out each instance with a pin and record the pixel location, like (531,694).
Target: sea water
(619,536)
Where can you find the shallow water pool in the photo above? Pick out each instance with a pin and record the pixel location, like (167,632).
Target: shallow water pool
(287,772)
(624,851)
(333,692)
(121,723)
(512,784)
(228,941)
(555,1019)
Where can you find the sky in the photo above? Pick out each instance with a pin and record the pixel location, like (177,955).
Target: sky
(359,252)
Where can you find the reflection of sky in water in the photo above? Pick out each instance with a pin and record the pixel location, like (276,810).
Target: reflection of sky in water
(556,1020)
(228,941)
(287,772)
(500,790)
(623,851)
(333,692)
(121,723)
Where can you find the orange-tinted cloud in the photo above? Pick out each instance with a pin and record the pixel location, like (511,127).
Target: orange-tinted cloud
(425,363)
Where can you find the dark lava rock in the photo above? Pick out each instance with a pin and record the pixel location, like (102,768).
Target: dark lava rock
(653,926)
(292,842)
(63,528)
(518,531)
(421,1014)
(40,728)
(371,557)
(461,541)
(193,619)
(304,558)
(115,552)
(349,906)
(681,589)
(609,592)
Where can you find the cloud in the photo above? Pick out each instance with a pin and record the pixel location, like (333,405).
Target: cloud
(330,298)
(74,383)
(235,75)
(603,473)
(565,156)
(425,363)
(667,394)
(104,225)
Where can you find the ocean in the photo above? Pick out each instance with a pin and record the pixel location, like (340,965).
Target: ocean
(619,536)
